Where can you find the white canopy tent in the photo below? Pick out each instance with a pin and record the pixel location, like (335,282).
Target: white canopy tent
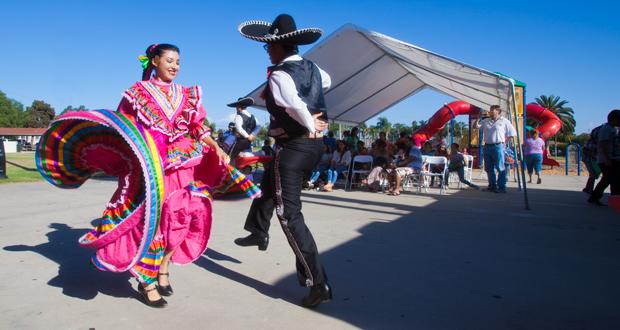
(371,72)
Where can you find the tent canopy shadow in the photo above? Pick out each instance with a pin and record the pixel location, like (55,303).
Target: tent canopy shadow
(466,262)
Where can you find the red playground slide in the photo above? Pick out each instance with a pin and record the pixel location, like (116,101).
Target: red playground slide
(550,124)
(443,116)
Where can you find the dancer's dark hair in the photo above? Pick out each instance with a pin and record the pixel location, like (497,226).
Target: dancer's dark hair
(156,50)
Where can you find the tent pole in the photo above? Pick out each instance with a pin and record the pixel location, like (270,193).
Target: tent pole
(519,145)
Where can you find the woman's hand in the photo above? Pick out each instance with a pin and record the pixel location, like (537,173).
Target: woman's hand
(221,155)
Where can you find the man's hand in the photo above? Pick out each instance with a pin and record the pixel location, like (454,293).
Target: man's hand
(251,137)
(319,124)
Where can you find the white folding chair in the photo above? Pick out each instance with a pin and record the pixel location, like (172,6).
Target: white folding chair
(469,167)
(427,174)
(365,162)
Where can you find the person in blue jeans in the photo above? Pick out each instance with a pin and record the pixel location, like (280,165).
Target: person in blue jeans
(341,158)
(496,131)
(457,164)
(322,167)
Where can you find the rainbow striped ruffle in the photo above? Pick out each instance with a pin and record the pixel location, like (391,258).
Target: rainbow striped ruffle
(79,144)
(236,184)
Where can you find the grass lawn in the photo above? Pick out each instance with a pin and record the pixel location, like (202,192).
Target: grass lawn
(20,167)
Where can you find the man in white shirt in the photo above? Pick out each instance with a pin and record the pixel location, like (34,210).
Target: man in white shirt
(496,131)
(294,99)
(246,127)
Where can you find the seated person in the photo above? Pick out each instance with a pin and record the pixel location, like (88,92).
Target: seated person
(380,152)
(399,169)
(341,159)
(427,149)
(361,148)
(322,167)
(376,175)
(457,164)
(440,152)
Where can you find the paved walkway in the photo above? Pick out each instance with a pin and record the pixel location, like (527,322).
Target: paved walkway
(465,260)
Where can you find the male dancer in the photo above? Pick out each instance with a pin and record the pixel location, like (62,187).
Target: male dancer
(294,99)
(246,127)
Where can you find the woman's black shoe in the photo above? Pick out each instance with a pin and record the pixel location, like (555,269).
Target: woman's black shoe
(160,303)
(250,240)
(318,294)
(164,290)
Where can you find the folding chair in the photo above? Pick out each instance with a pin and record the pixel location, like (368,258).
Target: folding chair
(469,167)
(426,172)
(361,160)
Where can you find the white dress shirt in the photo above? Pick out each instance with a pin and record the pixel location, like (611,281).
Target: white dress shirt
(239,124)
(286,96)
(496,131)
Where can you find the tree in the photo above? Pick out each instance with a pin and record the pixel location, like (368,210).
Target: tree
(415,125)
(384,125)
(566,115)
(399,127)
(11,112)
(558,107)
(39,114)
(70,108)
(209,124)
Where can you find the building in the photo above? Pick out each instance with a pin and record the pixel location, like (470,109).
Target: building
(28,137)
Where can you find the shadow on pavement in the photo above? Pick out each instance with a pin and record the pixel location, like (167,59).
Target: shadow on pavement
(476,260)
(284,291)
(76,276)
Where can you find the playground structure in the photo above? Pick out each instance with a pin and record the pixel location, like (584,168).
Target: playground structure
(550,124)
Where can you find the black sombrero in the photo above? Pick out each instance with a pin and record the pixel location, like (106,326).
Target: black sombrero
(283,30)
(242,102)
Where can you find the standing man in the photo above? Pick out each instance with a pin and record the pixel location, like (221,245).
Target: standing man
(497,132)
(246,127)
(294,99)
(608,157)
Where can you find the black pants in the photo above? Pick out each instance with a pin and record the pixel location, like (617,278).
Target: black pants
(240,145)
(281,186)
(611,177)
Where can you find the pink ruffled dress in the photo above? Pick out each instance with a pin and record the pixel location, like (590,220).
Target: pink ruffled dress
(174,116)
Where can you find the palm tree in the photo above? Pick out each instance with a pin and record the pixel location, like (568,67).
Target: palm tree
(558,106)
(383,125)
(566,115)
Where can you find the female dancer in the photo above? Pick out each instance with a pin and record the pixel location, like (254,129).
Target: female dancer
(168,167)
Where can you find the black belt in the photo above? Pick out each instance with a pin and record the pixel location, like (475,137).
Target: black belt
(492,144)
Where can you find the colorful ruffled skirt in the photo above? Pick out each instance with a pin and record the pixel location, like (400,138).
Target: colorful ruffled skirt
(152,210)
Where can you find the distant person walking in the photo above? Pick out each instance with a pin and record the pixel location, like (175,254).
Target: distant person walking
(534,147)
(496,130)
(608,158)
(589,158)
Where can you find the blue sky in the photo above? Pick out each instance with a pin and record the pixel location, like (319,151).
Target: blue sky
(84,52)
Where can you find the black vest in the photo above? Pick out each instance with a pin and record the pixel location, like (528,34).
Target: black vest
(309,85)
(249,123)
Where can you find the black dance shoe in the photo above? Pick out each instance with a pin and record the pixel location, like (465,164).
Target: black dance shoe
(251,240)
(160,303)
(164,290)
(318,293)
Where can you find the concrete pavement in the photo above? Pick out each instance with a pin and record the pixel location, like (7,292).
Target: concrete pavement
(464,260)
